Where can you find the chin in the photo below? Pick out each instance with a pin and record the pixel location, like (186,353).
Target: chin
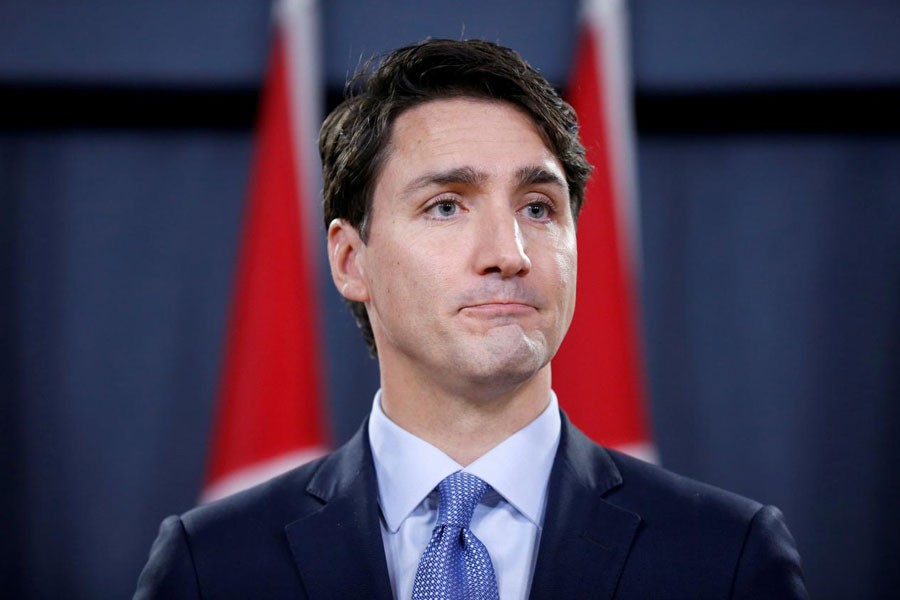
(506,363)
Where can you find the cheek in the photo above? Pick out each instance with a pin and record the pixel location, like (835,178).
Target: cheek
(406,277)
(565,260)
(568,275)
(566,267)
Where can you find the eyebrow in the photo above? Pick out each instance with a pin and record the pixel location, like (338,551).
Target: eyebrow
(534,175)
(459,175)
(525,176)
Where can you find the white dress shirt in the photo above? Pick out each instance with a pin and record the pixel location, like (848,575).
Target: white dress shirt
(507,521)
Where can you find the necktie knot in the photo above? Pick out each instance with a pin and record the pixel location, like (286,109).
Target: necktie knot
(456,565)
(459,494)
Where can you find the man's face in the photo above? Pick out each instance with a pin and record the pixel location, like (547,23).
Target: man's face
(468,274)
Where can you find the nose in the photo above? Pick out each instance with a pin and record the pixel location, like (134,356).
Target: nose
(501,248)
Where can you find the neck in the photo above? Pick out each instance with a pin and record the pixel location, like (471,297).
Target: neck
(465,422)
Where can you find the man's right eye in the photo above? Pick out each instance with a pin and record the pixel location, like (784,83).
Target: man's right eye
(443,208)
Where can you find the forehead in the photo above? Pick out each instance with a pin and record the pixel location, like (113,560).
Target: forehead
(494,137)
(460,117)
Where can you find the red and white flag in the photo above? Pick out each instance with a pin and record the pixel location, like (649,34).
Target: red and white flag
(598,373)
(269,413)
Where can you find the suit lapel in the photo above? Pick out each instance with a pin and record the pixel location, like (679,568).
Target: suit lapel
(585,540)
(338,549)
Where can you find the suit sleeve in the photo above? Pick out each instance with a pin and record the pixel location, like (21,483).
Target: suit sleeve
(769,566)
(169,573)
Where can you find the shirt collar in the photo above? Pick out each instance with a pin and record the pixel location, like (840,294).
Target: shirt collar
(409,468)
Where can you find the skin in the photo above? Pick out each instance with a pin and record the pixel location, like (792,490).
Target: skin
(468,275)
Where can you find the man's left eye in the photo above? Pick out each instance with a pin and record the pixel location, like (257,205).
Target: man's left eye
(537,210)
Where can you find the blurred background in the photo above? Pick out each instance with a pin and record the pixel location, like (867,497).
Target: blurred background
(769,173)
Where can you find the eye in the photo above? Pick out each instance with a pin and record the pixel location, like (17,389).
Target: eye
(538,210)
(443,208)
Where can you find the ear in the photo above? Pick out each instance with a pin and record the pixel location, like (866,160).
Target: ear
(345,253)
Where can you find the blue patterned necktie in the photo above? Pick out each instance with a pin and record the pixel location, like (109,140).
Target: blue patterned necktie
(456,565)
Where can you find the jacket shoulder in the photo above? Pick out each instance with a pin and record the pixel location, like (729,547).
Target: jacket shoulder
(648,487)
(273,501)
(238,546)
(231,546)
(697,536)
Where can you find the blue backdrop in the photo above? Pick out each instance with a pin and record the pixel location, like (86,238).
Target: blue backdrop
(771,253)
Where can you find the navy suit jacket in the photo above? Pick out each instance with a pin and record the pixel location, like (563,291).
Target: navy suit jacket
(615,527)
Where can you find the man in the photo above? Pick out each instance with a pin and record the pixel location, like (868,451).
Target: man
(453,181)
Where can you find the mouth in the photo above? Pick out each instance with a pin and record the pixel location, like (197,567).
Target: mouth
(498,308)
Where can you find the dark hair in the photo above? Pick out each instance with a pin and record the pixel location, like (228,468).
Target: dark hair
(354,138)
